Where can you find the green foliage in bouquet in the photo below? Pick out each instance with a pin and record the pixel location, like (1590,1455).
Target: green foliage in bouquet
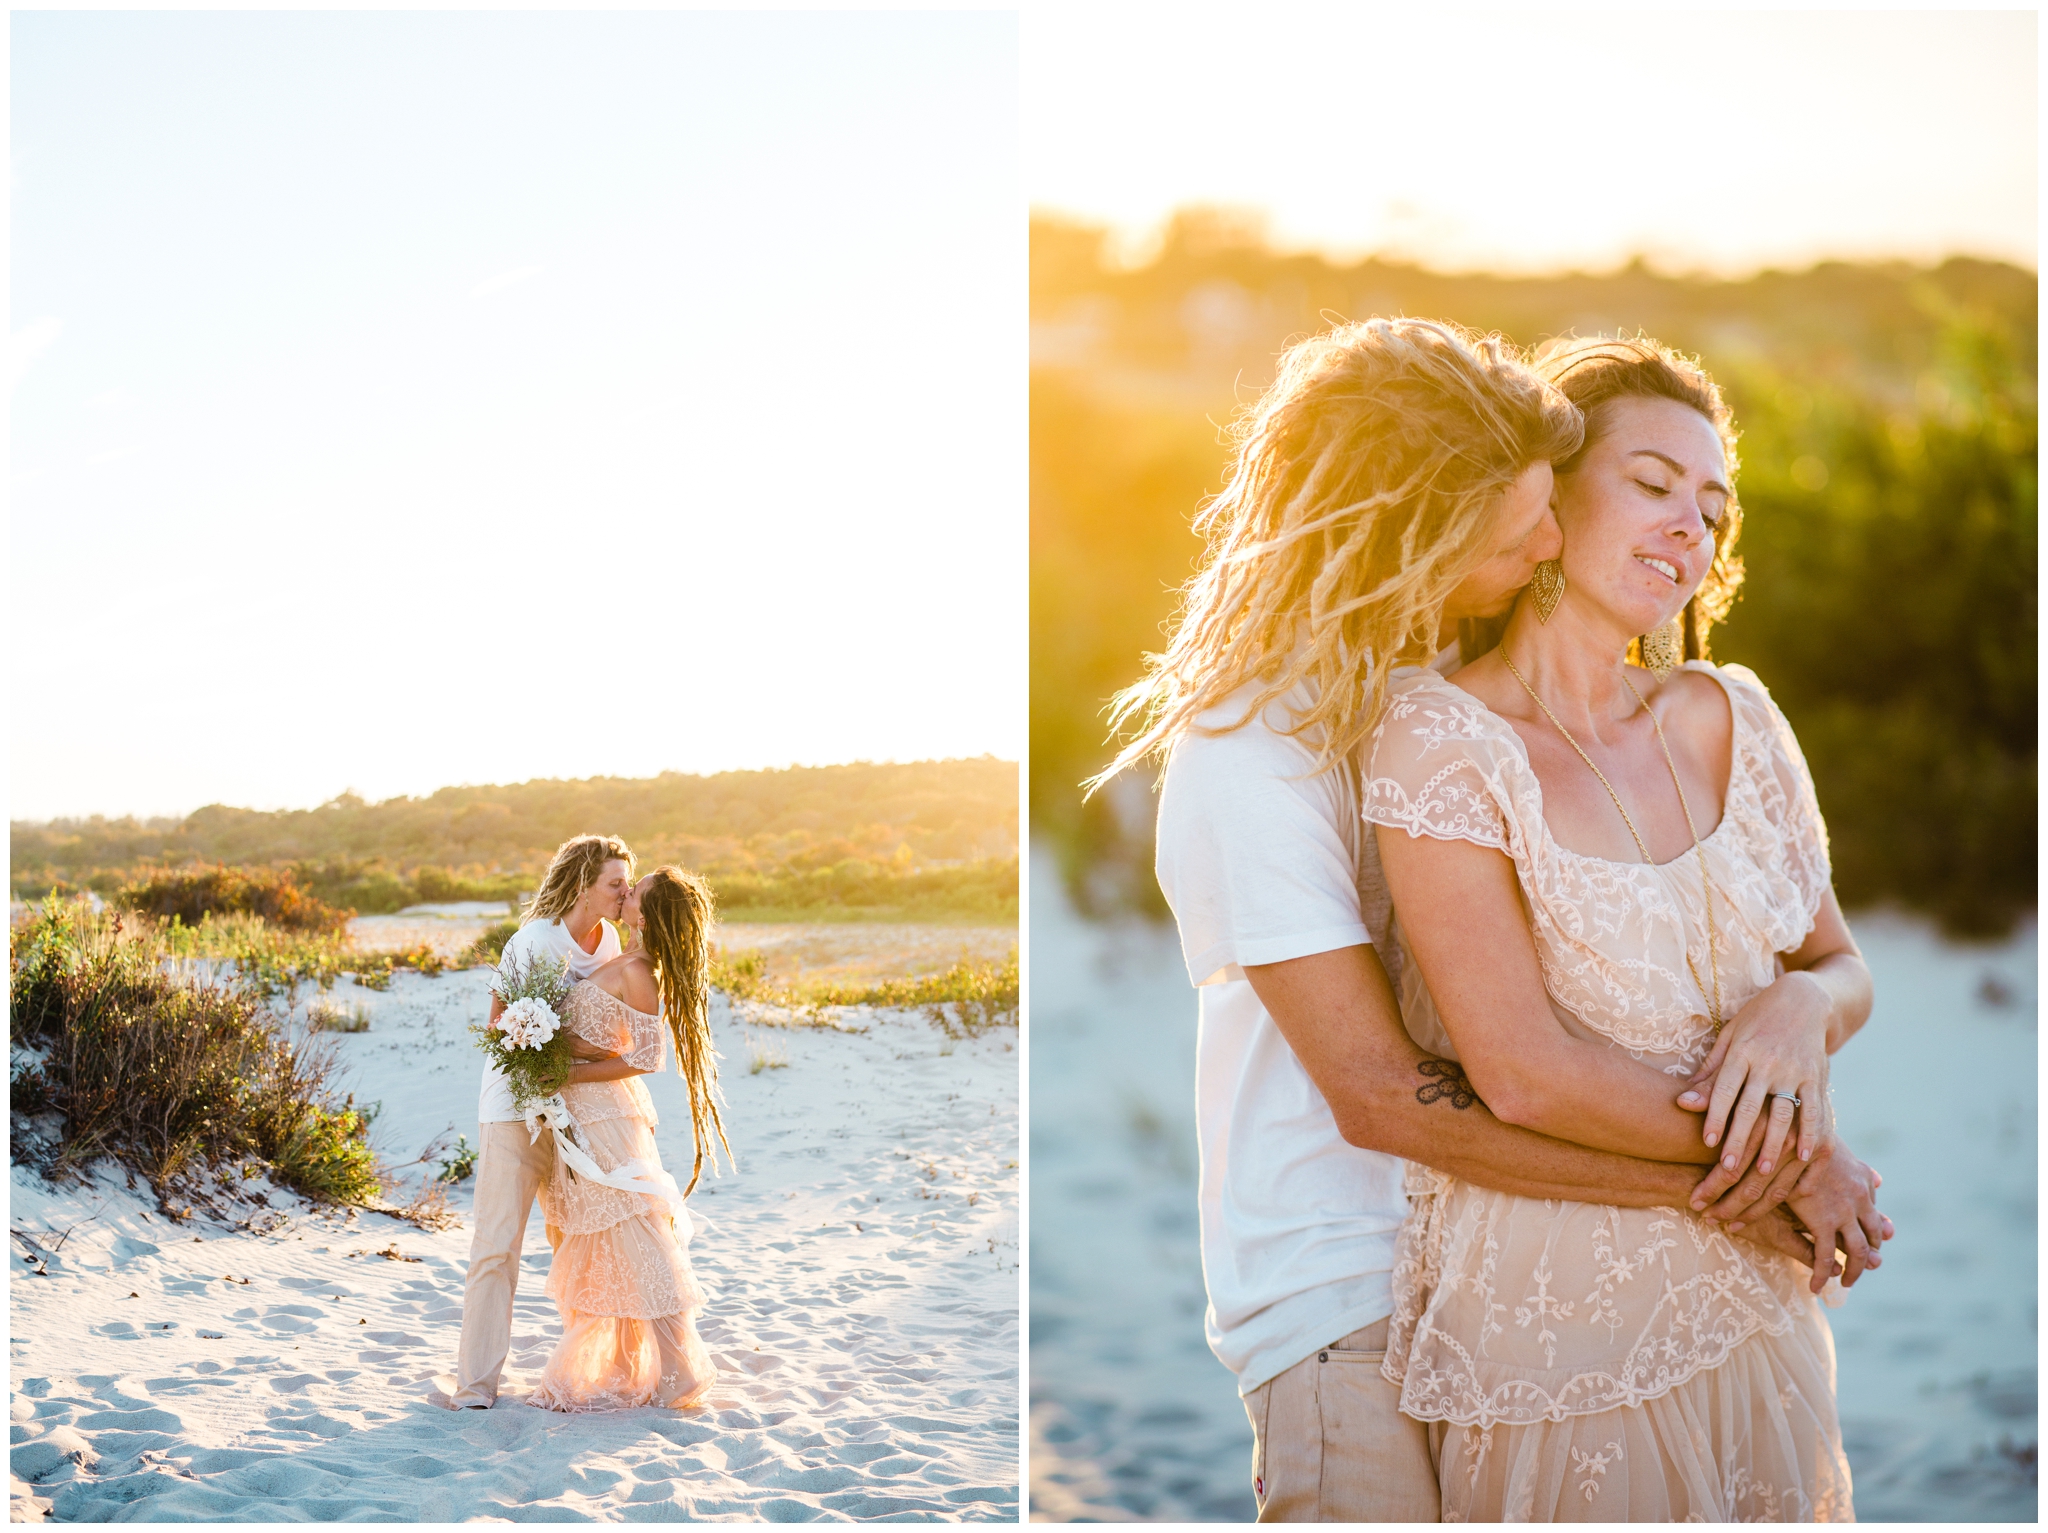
(528,1043)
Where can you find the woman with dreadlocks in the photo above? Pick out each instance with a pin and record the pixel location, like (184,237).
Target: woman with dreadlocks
(621,1272)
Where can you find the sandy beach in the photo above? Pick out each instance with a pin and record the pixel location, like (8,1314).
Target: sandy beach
(862,1261)
(1131,1417)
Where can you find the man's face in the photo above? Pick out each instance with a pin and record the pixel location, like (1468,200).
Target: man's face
(608,895)
(1528,535)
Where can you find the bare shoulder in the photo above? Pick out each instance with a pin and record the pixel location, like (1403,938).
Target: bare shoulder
(1489,680)
(1695,705)
(630,978)
(642,993)
(611,976)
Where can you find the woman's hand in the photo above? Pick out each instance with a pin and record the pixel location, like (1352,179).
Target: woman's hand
(1735,1182)
(1775,1047)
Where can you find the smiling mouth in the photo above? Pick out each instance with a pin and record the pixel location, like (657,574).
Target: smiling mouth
(1663,567)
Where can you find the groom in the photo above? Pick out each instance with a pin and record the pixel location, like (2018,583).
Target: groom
(582,894)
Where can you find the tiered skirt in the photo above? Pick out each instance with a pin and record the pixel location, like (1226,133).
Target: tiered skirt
(622,1280)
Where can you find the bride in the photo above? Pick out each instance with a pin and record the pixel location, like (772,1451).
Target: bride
(621,1274)
(1603,865)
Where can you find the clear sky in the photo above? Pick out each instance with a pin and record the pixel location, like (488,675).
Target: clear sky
(1536,140)
(412,399)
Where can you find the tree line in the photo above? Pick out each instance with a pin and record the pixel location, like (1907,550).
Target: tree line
(918,840)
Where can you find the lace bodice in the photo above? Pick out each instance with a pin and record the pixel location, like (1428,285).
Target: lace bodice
(1613,937)
(597,1016)
(614,1119)
(1514,1310)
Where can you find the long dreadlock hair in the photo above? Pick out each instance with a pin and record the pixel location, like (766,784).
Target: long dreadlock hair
(675,913)
(1364,485)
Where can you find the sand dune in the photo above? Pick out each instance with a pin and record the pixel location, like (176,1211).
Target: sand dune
(862,1262)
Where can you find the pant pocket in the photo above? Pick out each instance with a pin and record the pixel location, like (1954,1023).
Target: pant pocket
(1376,1462)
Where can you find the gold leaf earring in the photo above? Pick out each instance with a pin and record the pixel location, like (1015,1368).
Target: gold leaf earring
(1663,649)
(1546,585)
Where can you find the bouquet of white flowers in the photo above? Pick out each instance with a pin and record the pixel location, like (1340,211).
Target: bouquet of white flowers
(528,1042)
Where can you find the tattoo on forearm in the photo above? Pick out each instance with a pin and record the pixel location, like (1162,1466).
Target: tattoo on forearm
(1446,1083)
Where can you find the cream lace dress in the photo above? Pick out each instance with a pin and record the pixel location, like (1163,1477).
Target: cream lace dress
(621,1274)
(1578,1362)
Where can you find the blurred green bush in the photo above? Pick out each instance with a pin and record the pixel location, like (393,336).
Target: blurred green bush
(1888,473)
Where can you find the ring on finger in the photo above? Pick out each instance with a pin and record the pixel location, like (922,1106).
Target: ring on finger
(1786,1096)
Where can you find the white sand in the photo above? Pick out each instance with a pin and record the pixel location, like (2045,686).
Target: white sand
(863,1263)
(1132,1417)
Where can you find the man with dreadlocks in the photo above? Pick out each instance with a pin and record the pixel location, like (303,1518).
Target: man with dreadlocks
(1393,483)
(582,893)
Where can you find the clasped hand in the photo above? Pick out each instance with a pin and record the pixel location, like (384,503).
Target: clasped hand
(1775,1045)
(1774,1049)
(587,1054)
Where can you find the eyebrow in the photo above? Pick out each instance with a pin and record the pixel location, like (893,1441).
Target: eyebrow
(1676,467)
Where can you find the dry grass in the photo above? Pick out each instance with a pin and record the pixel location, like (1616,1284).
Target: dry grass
(964,1001)
(766,1054)
(327,1015)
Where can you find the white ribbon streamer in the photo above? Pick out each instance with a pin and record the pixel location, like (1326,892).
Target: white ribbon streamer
(636,1175)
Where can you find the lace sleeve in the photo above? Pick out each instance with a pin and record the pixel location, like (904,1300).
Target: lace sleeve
(1784,791)
(598,1018)
(1437,768)
(647,1048)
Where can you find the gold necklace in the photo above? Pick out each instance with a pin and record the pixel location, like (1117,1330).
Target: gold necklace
(1706,888)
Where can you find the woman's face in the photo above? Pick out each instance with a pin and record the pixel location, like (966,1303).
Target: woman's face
(1527,535)
(1639,512)
(630,916)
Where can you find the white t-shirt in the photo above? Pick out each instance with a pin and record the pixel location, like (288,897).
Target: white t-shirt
(494,1099)
(1260,862)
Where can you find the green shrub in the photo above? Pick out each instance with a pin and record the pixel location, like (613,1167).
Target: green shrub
(490,947)
(460,1164)
(440,886)
(192,894)
(1890,608)
(169,1074)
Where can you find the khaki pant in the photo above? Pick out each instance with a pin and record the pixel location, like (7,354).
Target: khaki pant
(509,1171)
(1330,1443)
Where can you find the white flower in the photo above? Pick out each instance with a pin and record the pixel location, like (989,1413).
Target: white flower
(528,1024)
